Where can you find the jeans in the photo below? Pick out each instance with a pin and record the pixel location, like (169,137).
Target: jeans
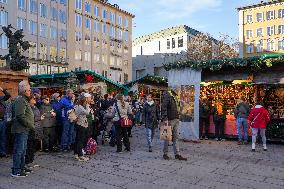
(30,152)
(175,125)
(81,139)
(3,137)
(19,152)
(262,134)
(150,132)
(68,134)
(242,124)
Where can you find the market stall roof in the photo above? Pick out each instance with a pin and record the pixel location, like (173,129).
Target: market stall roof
(78,74)
(150,80)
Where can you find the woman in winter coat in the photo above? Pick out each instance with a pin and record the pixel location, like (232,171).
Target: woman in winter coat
(258,119)
(122,110)
(82,110)
(150,117)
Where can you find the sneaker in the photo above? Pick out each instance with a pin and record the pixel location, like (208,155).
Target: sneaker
(253,147)
(264,147)
(206,138)
(201,138)
(179,157)
(28,171)
(240,143)
(83,158)
(216,139)
(166,157)
(150,149)
(76,156)
(222,139)
(18,175)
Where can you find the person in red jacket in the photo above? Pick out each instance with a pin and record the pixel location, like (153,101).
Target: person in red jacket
(258,119)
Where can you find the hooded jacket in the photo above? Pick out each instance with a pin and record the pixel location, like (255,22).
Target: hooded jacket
(259,117)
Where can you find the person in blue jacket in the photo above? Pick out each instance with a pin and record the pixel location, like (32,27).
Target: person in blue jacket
(68,133)
(57,107)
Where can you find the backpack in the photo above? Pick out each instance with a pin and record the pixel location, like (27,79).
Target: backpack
(91,147)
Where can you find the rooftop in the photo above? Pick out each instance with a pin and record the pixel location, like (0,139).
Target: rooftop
(116,7)
(261,3)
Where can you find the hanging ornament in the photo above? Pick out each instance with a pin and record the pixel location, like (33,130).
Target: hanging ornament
(89,78)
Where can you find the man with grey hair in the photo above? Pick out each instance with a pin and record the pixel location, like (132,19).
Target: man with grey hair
(22,123)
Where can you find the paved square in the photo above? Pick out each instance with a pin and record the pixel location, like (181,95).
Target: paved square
(211,165)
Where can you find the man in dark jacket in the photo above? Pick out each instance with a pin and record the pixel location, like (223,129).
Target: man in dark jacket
(3,125)
(23,122)
(241,114)
(170,116)
(204,116)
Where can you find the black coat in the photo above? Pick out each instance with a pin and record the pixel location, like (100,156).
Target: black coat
(169,107)
(150,115)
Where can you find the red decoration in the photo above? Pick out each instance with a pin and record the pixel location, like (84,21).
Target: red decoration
(89,78)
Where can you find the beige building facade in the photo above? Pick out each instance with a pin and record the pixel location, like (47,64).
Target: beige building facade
(100,39)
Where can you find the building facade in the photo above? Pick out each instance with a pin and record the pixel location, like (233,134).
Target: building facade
(44,23)
(151,52)
(261,28)
(100,39)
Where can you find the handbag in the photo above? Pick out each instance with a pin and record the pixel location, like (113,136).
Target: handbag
(166,132)
(124,122)
(251,123)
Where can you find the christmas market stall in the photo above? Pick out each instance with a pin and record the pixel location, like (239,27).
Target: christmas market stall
(256,78)
(79,80)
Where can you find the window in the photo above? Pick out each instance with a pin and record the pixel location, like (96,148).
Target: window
(78,20)
(249,34)
(141,49)
(22,5)
(112,61)
(53,53)
(33,6)
(270,15)
(78,4)
(112,31)
(281,29)
(126,24)
(62,16)
(173,43)
(43,30)
(87,40)
(119,62)
(125,62)
(168,44)
(3,18)
(97,27)
(180,41)
(96,10)
(78,36)
(43,10)
(33,27)
(21,23)
(33,50)
(96,58)
(259,17)
(281,13)
(104,28)
(104,58)
(3,1)
(88,56)
(126,36)
(281,44)
(119,48)
(63,35)
(88,23)
(43,51)
(3,42)
(270,30)
(105,14)
(63,2)
(119,34)
(250,48)
(112,17)
(53,32)
(259,46)
(270,45)
(87,7)
(53,13)
(259,32)
(62,54)
(78,55)
(119,20)
(249,18)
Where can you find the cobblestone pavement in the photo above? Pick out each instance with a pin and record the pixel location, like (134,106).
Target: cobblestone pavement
(211,165)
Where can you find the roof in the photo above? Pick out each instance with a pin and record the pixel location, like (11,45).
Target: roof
(149,79)
(262,3)
(165,33)
(116,7)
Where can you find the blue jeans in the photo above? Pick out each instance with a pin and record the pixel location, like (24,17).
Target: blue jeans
(242,124)
(3,138)
(68,134)
(19,152)
(150,132)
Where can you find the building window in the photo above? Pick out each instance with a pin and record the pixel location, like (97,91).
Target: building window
(119,34)
(112,17)
(105,14)
(249,19)
(97,26)
(259,17)
(125,62)
(62,17)
(53,13)
(3,42)
(3,18)
(173,43)
(33,27)
(78,4)
(96,10)
(281,29)
(126,36)
(270,30)
(249,34)
(87,7)
(43,52)
(126,23)
(62,55)
(281,13)
(104,59)
(96,58)
(33,6)
(125,78)
(53,33)
(119,20)
(63,2)
(259,32)
(22,5)
(63,35)
(270,15)
(180,41)
(112,61)
(21,23)
(259,46)
(119,62)
(270,45)
(43,30)
(88,23)
(281,44)
(250,48)
(53,53)
(168,44)
(78,36)
(3,1)
(43,10)
(87,40)
(141,50)
(87,56)
(104,29)
(112,31)
(78,55)
(78,20)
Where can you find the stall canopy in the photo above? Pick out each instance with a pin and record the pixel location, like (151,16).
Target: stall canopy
(59,79)
(149,80)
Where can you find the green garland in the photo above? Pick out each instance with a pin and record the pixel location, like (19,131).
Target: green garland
(253,63)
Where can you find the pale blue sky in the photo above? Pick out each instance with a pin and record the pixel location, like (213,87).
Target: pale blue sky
(212,16)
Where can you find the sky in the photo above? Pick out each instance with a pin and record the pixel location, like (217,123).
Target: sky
(210,16)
